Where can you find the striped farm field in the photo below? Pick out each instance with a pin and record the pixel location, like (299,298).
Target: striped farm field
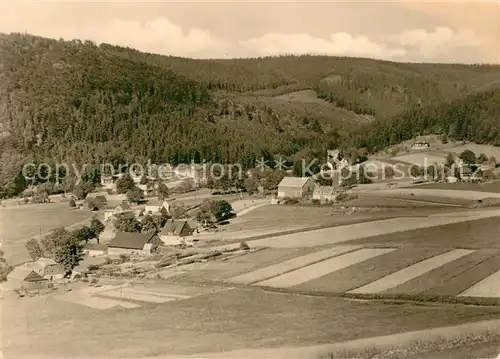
(474,234)
(320,269)
(441,275)
(289,265)
(223,270)
(467,279)
(488,287)
(370,270)
(411,272)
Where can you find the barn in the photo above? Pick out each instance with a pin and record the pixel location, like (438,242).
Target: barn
(295,187)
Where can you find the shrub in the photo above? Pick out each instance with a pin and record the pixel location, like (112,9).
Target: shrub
(316,202)
(124,257)
(344,196)
(93,267)
(108,260)
(244,246)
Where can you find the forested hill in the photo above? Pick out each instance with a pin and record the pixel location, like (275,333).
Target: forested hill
(77,102)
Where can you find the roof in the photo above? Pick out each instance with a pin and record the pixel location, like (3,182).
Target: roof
(96,194)
(293,182)
(177,227)
(466,170)
(95,246)
(130,240)
(156,202)
(124,206)
(24,274)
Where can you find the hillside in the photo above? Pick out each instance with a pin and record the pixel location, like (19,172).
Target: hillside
(75,102)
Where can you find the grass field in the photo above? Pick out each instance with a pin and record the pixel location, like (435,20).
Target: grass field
(369,270)
(478,234)
(22,222)
(227,320)
(421,159)
(492,187)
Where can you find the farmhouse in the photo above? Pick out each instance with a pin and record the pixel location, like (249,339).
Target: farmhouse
(128,243)
(47,268)
(175,232)
(95,249)
(24,278)
(155,206)
(295,187)
(420,145)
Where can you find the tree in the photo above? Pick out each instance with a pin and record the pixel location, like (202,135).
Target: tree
(135,195)
(163,191)
(468,157)
(144,180)
(125,222)
(250,186)
(148,224)
(97,227)
(348,178)
(363,178)
(34,249)
(177,211)
(389,173)
(5,268)
(214,211)
(493,161)
(324,181)
(449,160)
(161,218)
(416,171)
(68,252)
(432,171)
(125,183)
(83,234)
(482,158)
(50,242)
(72,203)
(272,179)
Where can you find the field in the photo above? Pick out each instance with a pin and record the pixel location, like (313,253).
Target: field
(492,187)
(226,320)
(25,221)
(421,159)
(489,151)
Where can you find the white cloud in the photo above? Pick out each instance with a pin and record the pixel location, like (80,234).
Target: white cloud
(339,43)
(158,36)
(442,40)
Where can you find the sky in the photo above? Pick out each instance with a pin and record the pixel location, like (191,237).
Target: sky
(399,30)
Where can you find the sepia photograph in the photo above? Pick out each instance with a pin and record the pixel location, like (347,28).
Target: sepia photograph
(244,179)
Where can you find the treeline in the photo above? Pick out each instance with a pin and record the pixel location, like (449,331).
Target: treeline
(78,103)
(474,118)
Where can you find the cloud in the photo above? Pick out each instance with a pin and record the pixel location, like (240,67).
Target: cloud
(442,40)
(339,43)
(159,35)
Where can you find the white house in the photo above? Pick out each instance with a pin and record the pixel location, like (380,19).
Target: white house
(47,268)
(176,232)
(295,187)
(95,249)
(155,206)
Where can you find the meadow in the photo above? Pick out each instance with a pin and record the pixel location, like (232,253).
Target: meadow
(227,320)
(19,223)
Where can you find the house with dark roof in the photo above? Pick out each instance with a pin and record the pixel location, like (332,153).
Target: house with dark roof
(295,187)
(175,232)
(23,277)
(131,242)
(47,268)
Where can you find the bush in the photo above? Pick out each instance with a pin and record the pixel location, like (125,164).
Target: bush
(124,257)
(93,267)
(108,260)
(244,246)
(316,202)
(344,196)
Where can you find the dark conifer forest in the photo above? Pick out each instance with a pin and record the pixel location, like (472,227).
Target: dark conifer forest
(76,102)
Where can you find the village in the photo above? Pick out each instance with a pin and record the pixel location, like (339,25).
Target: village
(147,221)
